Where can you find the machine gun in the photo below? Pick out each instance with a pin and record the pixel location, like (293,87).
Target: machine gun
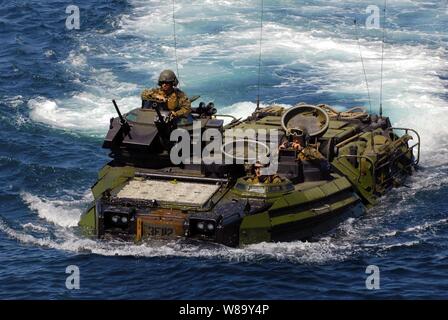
(124,124)
(117,134)
(164,124)
(205,111)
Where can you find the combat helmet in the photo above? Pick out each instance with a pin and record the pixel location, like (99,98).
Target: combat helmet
(168,76)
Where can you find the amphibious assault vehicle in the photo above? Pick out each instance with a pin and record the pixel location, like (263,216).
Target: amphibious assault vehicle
(143,194)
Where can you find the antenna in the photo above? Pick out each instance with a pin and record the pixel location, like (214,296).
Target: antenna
(363,68)
(259,56)
(382,58)
(175,45)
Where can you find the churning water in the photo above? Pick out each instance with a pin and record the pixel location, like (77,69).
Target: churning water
(55,91)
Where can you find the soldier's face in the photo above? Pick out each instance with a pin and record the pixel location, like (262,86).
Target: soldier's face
(166,86)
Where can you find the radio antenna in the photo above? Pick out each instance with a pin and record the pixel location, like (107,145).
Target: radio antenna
(259,56)
(363,67)
(175,45)
(382,58)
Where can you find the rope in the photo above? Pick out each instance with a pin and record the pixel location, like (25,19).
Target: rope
(382,59)
(175,45)
(259,55)
(363,67)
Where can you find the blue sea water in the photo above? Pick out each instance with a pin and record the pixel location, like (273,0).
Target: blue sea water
(55,91)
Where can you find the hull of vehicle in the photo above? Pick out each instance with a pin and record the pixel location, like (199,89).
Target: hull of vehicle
(127,206)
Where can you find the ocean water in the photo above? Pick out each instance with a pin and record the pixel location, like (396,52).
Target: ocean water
(55,91)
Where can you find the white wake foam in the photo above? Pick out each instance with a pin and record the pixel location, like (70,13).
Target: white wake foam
(66,214)
(348,240)
(34,227)
(59,212)
(296,252)
(83,111)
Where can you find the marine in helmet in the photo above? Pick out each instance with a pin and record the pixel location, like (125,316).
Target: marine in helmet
(257,178)
(295,144)
(176,101)
(307,152)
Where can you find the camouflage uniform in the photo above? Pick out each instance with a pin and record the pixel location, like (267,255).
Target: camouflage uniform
(177,101)
(253,180)
(310,153)
(291,146)
(273,179)
(265,179)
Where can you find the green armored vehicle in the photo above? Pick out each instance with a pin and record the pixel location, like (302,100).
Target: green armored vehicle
(329,165)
